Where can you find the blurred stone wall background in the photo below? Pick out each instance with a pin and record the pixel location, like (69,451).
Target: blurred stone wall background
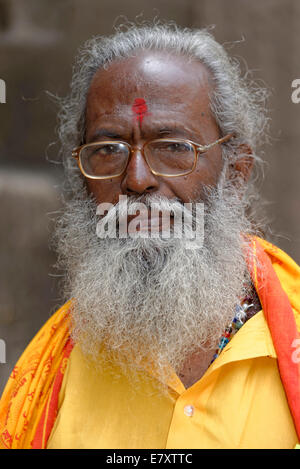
(38,40)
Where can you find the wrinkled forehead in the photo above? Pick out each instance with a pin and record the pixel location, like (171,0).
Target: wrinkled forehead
(162,79)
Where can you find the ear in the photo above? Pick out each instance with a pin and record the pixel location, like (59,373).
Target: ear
(241,169)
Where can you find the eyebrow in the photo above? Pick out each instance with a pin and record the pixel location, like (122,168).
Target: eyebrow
(104,133)
(171,130)
(160,130)
(178,131)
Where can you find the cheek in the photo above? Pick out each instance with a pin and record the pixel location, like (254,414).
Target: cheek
(208,172)
(192,186)
(104,191)
(188,189)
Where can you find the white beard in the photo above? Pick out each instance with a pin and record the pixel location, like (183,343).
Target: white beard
(153,301)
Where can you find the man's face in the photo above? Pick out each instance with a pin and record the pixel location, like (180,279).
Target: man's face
(176,105)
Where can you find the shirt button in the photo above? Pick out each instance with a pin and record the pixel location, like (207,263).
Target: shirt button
(188,410)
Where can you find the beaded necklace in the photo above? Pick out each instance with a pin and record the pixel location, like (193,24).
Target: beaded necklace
(243,312)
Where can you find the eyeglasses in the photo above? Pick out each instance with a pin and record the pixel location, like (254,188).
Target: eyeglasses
(165,157)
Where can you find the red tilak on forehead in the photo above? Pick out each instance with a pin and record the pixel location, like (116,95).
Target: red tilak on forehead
(140,109)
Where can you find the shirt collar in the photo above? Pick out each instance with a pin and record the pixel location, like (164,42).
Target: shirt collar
(253,340)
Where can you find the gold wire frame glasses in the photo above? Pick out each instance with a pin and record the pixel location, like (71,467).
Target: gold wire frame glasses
(165,157)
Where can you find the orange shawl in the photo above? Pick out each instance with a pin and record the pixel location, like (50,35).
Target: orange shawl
(29,404)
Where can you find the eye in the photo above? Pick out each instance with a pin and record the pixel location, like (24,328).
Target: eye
(172,147)
(176,147)
(106,150)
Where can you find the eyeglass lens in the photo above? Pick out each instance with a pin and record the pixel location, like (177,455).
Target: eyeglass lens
(163,157)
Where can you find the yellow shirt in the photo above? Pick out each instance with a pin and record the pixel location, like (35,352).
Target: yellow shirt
(238,403)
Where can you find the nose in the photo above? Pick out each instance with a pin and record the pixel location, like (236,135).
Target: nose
(138,178)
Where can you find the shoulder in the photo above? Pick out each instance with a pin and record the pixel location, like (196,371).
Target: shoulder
(31,380)
(288,273)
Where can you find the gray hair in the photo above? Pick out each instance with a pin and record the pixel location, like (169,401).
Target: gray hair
(237,103)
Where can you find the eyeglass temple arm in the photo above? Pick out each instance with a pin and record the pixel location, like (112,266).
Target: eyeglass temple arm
(221,140)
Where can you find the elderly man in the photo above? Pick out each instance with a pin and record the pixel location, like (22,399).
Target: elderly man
(162,344)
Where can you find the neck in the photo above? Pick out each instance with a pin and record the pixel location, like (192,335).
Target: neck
(195,366)
(197,363)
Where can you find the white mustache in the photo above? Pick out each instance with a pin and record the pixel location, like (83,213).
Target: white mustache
(177,219)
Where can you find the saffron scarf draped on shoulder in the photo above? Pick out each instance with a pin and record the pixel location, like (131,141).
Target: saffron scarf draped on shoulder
(29,404)
(276,278)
